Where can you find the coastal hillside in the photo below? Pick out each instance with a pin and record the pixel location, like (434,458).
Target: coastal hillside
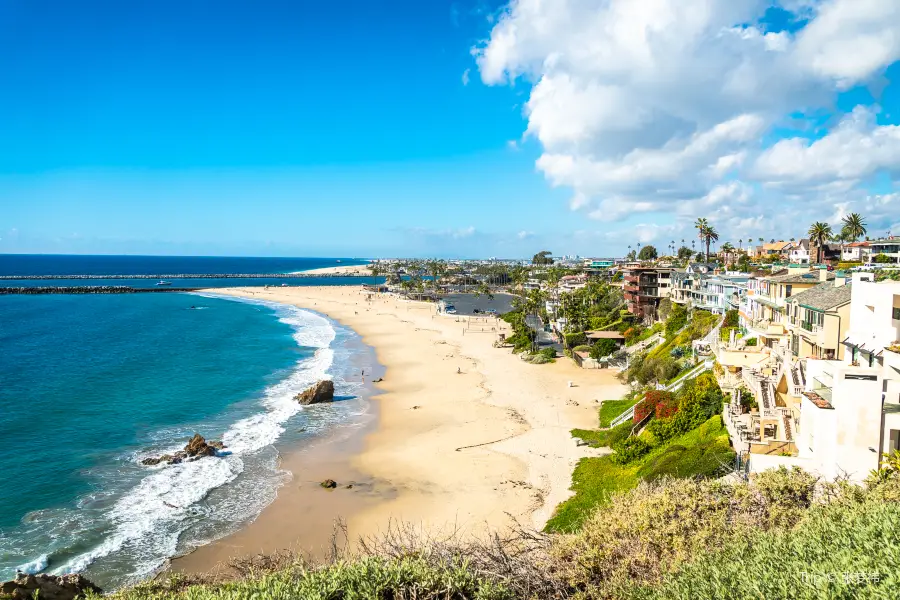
(663,539)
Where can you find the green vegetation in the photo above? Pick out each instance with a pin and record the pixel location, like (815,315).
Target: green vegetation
(881,258)
(668,360)
(599,438)
(610,409)
(542,258)
(784,534)
(644,334)
(523,337)
(685,439)
(603,347)
(648,253)
(704,452)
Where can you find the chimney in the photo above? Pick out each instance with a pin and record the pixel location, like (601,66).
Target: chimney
(823,274)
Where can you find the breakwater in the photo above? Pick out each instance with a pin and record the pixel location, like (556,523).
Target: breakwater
(89,289)
(188,276)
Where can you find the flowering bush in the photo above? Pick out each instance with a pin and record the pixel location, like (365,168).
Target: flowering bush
(651,403)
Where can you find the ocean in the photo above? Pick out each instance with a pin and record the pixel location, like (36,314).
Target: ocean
(90,385)
(48,264)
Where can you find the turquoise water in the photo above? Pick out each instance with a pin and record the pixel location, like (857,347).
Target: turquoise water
(90,385)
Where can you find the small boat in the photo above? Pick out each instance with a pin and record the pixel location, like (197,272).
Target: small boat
(164,283)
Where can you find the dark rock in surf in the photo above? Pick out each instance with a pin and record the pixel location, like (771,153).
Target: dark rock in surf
(317,394)
(329,484)
(196,448)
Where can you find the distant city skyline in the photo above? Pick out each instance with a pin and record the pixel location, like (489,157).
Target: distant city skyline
(442,129)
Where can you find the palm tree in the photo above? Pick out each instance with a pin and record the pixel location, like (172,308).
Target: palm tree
(740,243)
(707,233)
(853,229)
(855,226)
(819,233)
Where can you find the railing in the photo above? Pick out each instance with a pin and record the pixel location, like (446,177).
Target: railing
(628,414)
(676,385)
(810,327)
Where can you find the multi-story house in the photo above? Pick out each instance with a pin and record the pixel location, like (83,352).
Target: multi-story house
(848,414)
(644,287)
(818,319)
(798,252)
(855,252)
(889,247)
(874,321)
(762,311)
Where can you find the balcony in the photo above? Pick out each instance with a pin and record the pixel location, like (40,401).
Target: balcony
(630,288)
(631,279)
(810,327)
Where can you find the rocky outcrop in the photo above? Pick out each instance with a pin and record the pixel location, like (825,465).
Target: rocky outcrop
(329,484)
(196,448)
(47,587)
(317,394)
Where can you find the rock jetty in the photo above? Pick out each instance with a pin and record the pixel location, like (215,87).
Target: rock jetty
(317,394)
(195,449)
(47,587)
(87,289)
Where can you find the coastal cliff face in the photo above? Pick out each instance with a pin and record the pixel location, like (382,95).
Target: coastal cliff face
(47,587)
(323,391)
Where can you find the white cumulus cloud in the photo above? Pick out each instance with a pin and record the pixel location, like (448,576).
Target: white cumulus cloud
(665,106)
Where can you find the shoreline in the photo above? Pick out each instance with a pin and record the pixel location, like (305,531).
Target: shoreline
(340,270)
(481,450)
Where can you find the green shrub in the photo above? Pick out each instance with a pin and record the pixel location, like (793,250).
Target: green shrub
(629,450)
(631,544)
(600,438)
(603,347)
(548,353)
(678,318)
(575,339)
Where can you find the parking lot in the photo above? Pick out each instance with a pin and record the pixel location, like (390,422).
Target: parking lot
(466,304)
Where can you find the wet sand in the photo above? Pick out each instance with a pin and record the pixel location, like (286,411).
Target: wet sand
(468,437)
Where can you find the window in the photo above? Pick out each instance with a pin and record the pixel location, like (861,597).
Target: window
(896,315)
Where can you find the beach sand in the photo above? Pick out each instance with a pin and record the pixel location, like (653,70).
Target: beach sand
(469,452)
(341,270)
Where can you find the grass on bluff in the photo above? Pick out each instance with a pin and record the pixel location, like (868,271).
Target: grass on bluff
(784,534)
(610,409)
(704,451)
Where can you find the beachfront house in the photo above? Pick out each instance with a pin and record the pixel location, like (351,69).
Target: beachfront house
(848,415)
(818,319)
(856,252)
(889,247)
(644,287)
(762,310)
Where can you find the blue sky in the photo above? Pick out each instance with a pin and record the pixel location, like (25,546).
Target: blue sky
(431,128)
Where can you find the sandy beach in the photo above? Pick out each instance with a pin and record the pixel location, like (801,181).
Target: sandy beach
(471,450)
(341,270)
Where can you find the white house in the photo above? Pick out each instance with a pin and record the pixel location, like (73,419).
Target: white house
(855,252)
(850,409)
(798,254)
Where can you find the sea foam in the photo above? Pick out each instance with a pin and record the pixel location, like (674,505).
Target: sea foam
(148,519)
